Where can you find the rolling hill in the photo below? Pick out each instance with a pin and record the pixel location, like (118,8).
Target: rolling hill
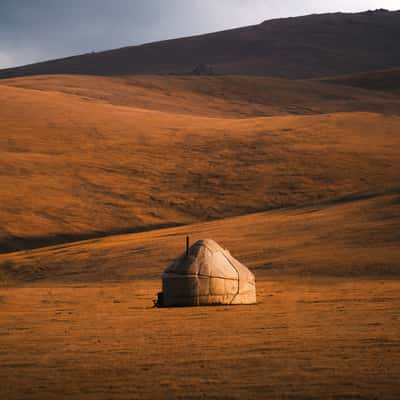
(301,47)
(86,157)
(356,237)
(387,81)
(219,96)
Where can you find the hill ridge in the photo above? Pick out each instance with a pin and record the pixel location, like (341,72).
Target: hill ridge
(309,46)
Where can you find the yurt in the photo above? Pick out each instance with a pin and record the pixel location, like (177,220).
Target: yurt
(207,274)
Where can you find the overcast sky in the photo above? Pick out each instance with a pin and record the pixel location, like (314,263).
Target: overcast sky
(35,30)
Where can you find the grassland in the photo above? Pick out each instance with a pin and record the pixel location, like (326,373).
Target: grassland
(75,166)
(353,238)
(304,340)
(102,178)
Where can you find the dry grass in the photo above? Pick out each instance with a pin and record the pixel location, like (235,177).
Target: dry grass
(349,239)
(320,340)
(75,167)
(224,96)
(85,157)
(387,81)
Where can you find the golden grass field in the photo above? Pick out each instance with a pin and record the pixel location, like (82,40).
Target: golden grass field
(354,238)
(101,179)
(76,167)
(77,319)
(304,340)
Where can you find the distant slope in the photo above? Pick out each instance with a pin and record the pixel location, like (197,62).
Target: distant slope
(302,47)
(216,96)
(347,239)
(75,163)
(385,80)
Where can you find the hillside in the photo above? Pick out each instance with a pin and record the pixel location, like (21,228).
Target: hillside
(301,47)
(82,160)
(217,96)
(352,238)
(387,81)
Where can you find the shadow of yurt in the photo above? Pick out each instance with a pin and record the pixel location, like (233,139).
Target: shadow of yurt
(206,274)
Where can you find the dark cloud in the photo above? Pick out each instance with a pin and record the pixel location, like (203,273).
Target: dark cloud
(43,29)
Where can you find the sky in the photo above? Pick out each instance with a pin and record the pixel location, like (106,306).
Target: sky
(37,30)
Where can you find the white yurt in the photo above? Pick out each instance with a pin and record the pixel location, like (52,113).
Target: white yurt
(207,274)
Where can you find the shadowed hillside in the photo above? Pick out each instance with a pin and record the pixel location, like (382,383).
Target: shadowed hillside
(302,47)
(385,81)
(227,96)
(352,238)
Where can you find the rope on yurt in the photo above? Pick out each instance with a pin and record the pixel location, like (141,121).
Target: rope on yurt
(238,278)
(237,272)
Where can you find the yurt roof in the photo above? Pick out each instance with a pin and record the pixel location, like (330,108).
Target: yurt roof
(208,258)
